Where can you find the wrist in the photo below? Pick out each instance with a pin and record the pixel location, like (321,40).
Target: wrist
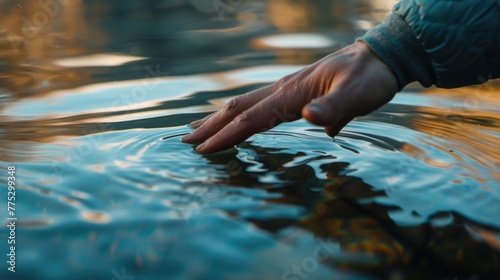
(395,44)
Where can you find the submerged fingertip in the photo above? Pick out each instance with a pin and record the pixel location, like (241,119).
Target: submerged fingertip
(200,148)
(186,137)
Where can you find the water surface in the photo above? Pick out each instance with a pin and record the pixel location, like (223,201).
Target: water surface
(95,101)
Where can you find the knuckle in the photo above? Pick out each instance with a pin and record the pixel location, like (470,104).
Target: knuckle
(233,105)
(284,80)
(244,118)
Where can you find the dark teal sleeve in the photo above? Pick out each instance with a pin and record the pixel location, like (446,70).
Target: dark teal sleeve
(440,42)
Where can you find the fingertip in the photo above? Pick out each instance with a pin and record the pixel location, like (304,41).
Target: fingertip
(185,139)
(207,148)
(192,138)
(334,130)
(212,147)
(196,123)
(201,148)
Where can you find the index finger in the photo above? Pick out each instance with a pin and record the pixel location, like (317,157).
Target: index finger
(213,123)
(265,115)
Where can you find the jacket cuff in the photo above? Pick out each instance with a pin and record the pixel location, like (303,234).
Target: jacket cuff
(396,45)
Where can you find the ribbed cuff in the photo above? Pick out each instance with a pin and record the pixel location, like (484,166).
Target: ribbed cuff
(396,45)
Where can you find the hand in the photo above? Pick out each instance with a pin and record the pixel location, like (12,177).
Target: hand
(331,92)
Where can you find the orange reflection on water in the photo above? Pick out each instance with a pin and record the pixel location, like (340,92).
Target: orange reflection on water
(470,126)
(37,32)
(96,217)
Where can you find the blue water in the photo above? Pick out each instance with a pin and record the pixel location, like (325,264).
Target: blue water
(93,108)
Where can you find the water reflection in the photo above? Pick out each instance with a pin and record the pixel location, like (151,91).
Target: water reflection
(95,101)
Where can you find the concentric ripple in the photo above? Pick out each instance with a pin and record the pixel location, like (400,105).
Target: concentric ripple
(106,188)
(418,172)
(406,158)
(94,102)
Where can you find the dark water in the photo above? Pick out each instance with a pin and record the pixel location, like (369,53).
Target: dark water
(95,97)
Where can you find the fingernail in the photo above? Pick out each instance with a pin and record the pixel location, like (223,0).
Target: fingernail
(317,109)
(200,147)
(186,137)
(194,124)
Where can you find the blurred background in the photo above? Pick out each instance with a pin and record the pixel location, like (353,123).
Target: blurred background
(95,96)
(183,37)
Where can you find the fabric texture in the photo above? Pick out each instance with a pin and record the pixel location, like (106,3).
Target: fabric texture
(447,43)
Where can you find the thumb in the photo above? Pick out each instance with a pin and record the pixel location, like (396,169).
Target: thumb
(327,110)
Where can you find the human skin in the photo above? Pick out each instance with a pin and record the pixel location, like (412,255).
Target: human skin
(331,92)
